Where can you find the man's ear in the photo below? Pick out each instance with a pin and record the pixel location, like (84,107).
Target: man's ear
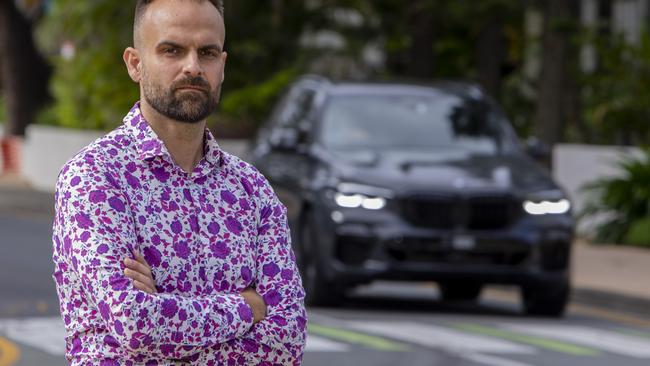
(133,63)
(223,69)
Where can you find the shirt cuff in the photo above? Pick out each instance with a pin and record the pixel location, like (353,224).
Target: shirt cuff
(239,317)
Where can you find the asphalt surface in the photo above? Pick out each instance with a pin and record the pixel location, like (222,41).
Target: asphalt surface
(383,324)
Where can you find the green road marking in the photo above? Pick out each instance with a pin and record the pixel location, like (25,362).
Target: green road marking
(546,343)
(340,334)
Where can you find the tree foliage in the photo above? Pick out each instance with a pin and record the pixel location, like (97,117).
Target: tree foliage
(92,89)
(422,39)
(617,97)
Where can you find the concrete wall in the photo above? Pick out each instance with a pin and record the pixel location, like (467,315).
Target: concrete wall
(574,166)
(46,149)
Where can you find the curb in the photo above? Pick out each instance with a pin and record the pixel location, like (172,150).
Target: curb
(24,201)
(612,301)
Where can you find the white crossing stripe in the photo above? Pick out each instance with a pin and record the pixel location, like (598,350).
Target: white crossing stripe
(492,360)
(626,345)
(46,334)
(433,336)
(319,344)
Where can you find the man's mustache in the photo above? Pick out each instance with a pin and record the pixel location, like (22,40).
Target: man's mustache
(195,82)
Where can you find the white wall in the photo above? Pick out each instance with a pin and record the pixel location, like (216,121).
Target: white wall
(576,165)
(47,148)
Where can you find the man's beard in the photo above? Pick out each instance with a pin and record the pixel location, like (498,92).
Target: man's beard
(185,106)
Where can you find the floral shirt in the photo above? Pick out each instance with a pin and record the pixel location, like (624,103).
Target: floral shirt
(207,235)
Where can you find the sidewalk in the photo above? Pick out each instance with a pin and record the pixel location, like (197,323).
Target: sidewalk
(608,276)
(611,276)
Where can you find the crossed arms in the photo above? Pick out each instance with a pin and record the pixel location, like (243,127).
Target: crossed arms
(265,324)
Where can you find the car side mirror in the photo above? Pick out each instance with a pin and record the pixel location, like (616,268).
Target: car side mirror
(538,149)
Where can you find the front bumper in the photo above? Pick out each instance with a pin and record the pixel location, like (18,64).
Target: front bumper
(363,246)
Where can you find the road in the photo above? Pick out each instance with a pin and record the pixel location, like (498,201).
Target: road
(383,324)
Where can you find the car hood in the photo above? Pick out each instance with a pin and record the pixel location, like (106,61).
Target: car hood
(444,170)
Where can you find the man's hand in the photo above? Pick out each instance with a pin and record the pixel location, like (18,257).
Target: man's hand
(139,271)
(256,303)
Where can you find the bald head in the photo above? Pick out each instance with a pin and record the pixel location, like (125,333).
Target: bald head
(141,9)
(178,59)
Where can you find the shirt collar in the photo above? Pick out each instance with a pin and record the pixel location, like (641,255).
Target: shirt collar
(148,145)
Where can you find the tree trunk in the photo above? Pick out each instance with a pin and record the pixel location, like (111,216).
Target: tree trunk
(490,56)
(276,14)
(25,73)
(421,62)
(555,70)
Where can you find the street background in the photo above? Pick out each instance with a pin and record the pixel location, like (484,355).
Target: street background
(608,321)
(572,75)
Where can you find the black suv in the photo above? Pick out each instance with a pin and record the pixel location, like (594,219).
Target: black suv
(417,183)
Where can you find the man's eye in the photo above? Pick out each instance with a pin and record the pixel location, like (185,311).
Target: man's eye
(170,51)
(209,53)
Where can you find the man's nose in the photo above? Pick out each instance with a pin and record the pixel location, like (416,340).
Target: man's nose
(192,66)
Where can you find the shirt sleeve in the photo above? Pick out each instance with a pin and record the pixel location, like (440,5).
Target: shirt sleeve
(280,337)
(94,221)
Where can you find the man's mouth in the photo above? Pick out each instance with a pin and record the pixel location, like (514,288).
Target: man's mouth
(189,87)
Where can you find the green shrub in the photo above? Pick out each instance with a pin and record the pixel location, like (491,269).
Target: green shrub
(623,203)
(639,233)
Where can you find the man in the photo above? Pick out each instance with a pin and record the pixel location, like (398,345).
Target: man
(168,250)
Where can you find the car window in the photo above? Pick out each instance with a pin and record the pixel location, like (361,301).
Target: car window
(412,122)
(297,109)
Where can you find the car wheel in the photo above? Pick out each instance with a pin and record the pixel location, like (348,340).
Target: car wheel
(319,292)
(548,299)
(460,290)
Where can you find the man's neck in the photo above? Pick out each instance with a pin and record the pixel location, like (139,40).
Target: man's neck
(184,141)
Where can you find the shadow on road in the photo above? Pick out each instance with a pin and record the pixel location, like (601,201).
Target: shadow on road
(422,299)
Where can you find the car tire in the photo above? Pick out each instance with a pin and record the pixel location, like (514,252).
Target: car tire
(319,291)
(460,290)
(549,299)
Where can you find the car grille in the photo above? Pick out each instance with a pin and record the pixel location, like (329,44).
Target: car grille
(473,212)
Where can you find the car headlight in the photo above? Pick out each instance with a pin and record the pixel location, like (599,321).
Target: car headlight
(352,195)
(547,203)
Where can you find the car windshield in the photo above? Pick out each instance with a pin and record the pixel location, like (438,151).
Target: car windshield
(397,122)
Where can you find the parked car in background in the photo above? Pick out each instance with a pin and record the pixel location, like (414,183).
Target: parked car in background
(417,183)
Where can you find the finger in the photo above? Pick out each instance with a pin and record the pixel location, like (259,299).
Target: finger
(135,275)
(138,267)
(143,287)
(140,258)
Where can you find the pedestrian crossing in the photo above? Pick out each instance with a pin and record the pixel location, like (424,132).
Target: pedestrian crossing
(608,341)
(495,344)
